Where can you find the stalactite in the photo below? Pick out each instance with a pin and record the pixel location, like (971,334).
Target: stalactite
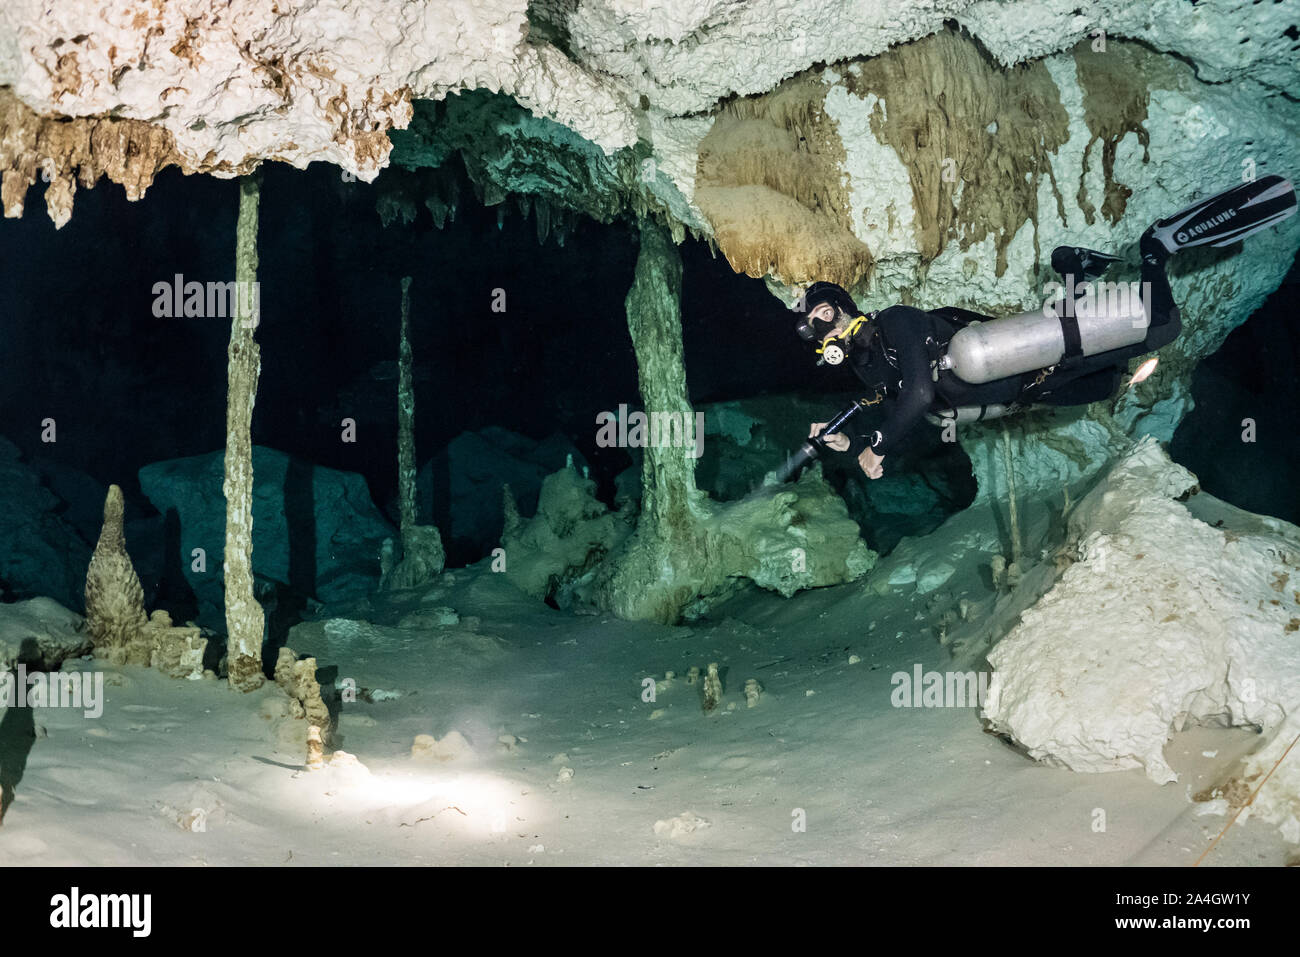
(244,618)
(453,196)
(543,220)
(438,210)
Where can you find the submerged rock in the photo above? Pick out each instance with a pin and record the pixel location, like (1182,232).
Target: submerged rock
(1164,621)
(40,553)
(315,529)
(463,483)
(571,532)
(933,575)
(41,632)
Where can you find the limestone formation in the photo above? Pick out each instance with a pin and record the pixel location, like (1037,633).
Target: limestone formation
(1164,621)
(244,618)
(315,749)
(570,534)
(452,746)
(119,629)
(64,153)
(423,556)
(176,651)
(711,692)
(115,615)
(298,680)
(687,550)
(933,158)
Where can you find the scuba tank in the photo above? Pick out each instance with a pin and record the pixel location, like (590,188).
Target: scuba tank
(972,413)
(1001,348)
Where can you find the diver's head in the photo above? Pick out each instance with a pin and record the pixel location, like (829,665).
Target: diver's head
(823,307)
(826,314)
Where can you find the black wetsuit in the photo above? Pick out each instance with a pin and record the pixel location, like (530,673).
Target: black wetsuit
(901,343)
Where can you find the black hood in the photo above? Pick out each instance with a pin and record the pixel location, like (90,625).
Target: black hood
(820,292)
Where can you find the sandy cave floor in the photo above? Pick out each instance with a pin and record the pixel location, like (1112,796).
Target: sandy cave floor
(188,773)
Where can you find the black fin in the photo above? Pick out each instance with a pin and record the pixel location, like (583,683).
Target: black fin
(1229,216)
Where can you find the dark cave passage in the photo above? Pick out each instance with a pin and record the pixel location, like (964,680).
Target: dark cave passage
(127,388)
(1250,388)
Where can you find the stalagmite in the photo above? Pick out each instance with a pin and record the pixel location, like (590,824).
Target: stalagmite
(115,615)
(315,749)
(712,688)
(244,619)
(423,556)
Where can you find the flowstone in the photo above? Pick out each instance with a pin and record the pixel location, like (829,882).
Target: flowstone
(571,532)
(1163,621)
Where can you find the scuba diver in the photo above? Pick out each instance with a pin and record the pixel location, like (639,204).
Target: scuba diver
(952,365)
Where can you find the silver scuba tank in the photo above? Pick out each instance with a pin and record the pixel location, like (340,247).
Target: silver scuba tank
(1108,316)
(970,413)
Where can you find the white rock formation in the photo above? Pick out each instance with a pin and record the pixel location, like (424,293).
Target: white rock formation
(1164,621)
(686,56)
(235,81)
(1272,776)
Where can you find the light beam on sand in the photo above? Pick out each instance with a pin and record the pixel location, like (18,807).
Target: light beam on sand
(487,804)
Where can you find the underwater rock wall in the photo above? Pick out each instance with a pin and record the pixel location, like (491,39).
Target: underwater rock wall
(42,554)
(314,528)
(460,487)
